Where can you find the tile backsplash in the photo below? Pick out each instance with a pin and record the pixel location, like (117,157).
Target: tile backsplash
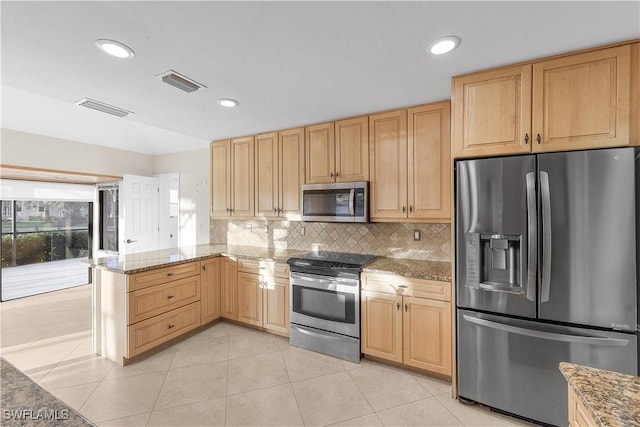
(384,239)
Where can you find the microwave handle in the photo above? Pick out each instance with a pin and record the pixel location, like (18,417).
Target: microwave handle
(352,208)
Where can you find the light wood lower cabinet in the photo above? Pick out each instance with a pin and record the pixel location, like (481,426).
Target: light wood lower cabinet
(210,290)
(407,321)
(229,289)
(263,295)
(578,415)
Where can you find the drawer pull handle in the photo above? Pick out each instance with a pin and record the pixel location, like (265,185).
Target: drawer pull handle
(171,326)
(170,274)
(403,286)
(170,296)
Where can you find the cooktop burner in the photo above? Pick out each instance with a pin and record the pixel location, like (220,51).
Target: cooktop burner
(332,259)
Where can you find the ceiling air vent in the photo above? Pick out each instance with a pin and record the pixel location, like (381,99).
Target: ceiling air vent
(101,106)
(181,82)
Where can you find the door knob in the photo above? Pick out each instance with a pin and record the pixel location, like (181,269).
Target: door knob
(130,241)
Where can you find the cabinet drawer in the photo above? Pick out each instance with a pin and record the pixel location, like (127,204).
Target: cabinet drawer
(419,288)
(162,275)
(267,268)
(154,300)
(156,330)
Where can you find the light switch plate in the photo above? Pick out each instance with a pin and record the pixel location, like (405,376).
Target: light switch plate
(416,235)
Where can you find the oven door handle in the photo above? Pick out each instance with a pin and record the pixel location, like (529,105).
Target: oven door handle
(327,335)
(320,283)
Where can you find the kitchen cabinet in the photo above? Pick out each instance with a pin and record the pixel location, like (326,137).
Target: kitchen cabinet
(263,295)
(408,321)
(232,178)
(210,290)
(579,416)
(279,173)
(410,164)
(337,151)
(571,102)
(228,289)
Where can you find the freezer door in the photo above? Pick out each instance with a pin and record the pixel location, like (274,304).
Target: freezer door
(496,221)
(512,364)
(588,238)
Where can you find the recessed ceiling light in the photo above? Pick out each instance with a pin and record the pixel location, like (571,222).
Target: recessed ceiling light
(115,48)
(444,45)
(228,102)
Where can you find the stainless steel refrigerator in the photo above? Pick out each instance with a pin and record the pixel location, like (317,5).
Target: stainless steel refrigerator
(547,252)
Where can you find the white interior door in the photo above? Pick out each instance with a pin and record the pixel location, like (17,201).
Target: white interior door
(168,210)
(140,212)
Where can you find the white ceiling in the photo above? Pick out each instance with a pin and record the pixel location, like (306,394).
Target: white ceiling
(288,63)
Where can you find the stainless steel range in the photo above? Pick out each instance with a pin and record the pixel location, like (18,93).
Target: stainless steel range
(325,303)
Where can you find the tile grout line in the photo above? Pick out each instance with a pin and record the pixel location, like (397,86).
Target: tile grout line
(293,390)
(162,385)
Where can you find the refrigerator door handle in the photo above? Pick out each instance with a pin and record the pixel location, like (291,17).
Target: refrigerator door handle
(532,236)
(546,335)
(545,195)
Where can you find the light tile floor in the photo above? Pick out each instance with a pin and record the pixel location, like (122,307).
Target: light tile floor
(225,375)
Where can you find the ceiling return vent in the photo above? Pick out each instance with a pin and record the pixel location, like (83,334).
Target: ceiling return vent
(181,82)
(101,106)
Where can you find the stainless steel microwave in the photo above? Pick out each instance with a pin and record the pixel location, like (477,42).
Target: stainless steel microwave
(336,202)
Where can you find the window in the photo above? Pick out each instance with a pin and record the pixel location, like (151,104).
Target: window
(108,200)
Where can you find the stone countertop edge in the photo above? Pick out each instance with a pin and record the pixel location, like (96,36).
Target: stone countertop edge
(439,271)
(612,399)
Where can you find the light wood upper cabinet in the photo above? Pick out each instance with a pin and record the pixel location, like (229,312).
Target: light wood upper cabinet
(429,161)
(352,149)
(210,279)
(388,165)
(228,289)
(570,102)
(338,152)
(320,154)
(291,172)
(279,174)
(582,101)
(242,185)
(220,178)
(266,175)
(232,172)
(492,112)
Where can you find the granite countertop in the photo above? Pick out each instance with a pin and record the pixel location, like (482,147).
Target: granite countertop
(143,261)
(429,270)
(612,399)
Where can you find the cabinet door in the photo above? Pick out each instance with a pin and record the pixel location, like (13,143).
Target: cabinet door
(352,149)
(582,101)
(276,305)
(210,290)
(388,165)
(492,112)
(382,325)
(229,289)
(427,334)
(429,148)
(249,299)
(266,185)
(242,183)
(291,172)
(320,154)
(220,179)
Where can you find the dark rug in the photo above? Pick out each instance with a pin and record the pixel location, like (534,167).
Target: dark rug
(25,403)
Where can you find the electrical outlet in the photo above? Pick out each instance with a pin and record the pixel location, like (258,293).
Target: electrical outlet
(302,231)
(416,235)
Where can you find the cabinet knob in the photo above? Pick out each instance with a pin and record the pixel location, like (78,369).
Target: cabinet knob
(403,209)
(337,174)
(275,210)
(406,307)
(204,268)
(170,296)
(170,274)
(279,210)
(526,138)
(398,306)
(539,139)
(410,208)
(331,174)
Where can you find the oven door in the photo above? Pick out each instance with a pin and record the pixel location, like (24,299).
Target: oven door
(327,303)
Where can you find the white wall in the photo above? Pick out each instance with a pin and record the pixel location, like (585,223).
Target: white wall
(39,151)
(193,167)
